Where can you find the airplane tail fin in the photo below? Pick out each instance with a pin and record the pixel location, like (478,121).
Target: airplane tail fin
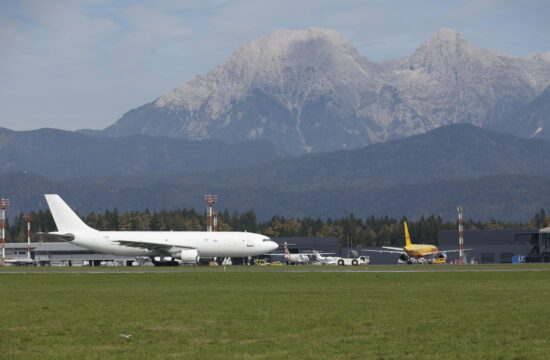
(407,236)
(65,218)
(286,249)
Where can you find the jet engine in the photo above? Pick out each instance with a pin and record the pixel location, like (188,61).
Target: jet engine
(442,256)
(189,256)
(404,257)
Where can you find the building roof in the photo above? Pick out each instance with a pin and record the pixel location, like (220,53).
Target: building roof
(47,246)
(449,238)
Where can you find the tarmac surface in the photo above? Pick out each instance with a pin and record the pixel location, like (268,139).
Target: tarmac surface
(287,269)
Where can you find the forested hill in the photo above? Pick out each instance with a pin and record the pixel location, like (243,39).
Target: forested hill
(59,154)
(455,152)
(493,175)
(508,198)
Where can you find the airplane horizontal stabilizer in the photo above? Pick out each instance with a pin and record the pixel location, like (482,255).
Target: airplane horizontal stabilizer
(53,236)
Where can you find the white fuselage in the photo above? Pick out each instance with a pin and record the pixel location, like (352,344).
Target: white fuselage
(297,258)
(208,244)
(325,260)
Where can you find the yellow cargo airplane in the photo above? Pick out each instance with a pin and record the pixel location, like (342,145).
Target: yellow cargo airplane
(416,253)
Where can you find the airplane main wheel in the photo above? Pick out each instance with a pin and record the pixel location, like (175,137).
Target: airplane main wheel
(354,262)
(341,262)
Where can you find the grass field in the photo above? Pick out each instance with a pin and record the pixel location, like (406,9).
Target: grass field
(276,315)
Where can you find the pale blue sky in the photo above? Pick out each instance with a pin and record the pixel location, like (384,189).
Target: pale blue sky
(83,63)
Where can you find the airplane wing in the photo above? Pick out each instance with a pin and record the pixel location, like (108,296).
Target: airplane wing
(454,250)
(390,250)
(444,251)
(54,236)
(165,247)
(313,254)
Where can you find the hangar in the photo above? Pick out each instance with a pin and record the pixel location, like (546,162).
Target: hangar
(500,246)
(63,254)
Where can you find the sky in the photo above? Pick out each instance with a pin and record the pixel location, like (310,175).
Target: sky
(83,64)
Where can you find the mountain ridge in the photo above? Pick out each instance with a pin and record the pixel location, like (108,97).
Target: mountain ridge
(494,175)
(311,91)
(60,154)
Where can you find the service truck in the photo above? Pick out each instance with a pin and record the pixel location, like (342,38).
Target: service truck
(360,260)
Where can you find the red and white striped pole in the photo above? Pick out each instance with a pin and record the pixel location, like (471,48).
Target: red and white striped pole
(460,234)
(28,218)
(215,228)
(210,202)
(4,203)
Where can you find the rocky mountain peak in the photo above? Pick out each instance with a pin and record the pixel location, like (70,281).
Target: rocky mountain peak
(285,62)
(444,48)
(310,90)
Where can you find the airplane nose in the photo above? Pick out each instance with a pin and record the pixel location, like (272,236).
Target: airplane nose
(273,246)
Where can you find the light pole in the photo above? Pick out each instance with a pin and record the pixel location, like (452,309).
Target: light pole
(4,204)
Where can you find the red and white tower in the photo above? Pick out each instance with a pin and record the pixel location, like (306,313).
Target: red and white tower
(4,204)
(460,234)
(28,219)
(210,202)
(215,220)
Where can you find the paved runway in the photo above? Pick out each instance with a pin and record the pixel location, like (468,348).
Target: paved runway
(289,269)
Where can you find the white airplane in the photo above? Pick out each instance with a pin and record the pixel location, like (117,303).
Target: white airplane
(18,261)
(293,258)
(186,246)
(324,260)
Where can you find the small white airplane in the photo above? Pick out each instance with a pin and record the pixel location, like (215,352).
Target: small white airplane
(185,246)
(18,261)
(293,258)
(324,260)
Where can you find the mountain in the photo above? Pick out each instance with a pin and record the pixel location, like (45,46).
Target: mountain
(61,154)
(311,91)
(453,80)
(452,152)
(493,175)
(531,120)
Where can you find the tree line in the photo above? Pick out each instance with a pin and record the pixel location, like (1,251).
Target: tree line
(349,230)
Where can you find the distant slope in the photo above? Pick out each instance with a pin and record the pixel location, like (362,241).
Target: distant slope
(531,120)
(493,175)
(60,154)
(453,152)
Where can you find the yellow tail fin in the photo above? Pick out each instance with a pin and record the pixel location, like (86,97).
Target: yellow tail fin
(407,237)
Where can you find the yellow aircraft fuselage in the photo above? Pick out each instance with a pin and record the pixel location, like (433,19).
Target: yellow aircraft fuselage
(420,250)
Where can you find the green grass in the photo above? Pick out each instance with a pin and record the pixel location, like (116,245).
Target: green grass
(275,315)
(305,268)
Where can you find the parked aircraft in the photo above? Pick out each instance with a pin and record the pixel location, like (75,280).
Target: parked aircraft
(18,261)
(185,246)
(293,258)
(415,252)
(324,260)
